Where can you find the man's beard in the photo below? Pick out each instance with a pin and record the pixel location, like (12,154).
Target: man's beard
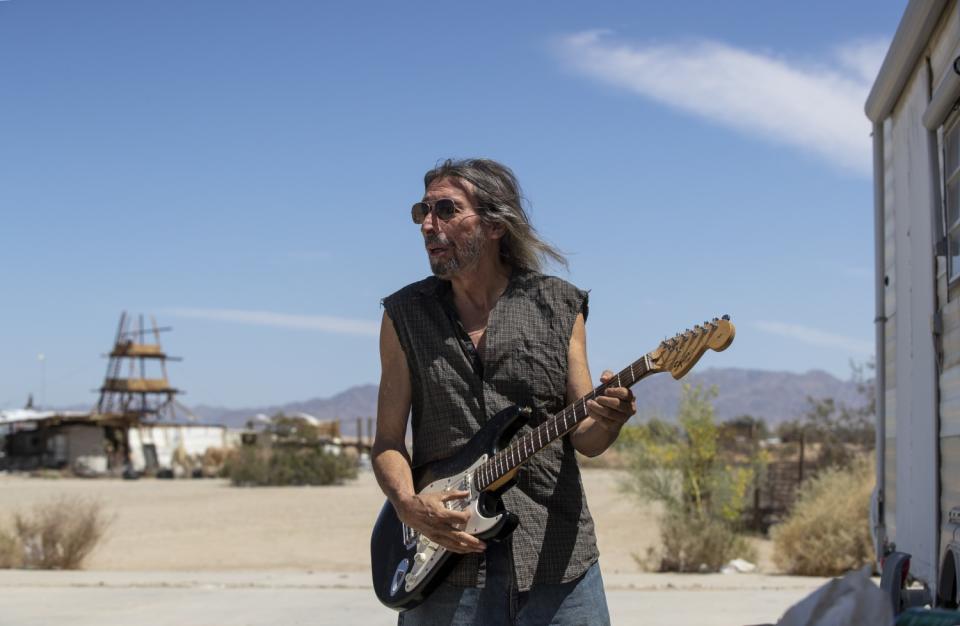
(461,257)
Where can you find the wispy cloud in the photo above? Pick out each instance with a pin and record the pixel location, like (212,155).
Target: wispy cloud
(818,108)
(818,337)
(338,325)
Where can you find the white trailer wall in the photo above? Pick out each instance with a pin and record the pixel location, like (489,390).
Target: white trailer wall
(911,368)
(921,399)
(166,438)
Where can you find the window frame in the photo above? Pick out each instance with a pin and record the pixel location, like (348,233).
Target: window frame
(950,125)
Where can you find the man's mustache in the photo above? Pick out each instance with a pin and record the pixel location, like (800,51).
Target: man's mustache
(437,239)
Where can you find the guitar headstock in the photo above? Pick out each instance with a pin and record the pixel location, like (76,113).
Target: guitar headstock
(681,352)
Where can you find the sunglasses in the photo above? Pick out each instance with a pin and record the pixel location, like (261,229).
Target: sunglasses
(444,209)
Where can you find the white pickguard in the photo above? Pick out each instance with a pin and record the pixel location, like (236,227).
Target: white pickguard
(428,552)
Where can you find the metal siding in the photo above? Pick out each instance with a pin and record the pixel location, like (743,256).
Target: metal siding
(941,281)
(84,441)
(890,334)
(890,399)
(916,521)
(890,487)
(890,345)
(889,224)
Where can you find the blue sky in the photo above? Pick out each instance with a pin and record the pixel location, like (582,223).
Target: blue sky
(244,170)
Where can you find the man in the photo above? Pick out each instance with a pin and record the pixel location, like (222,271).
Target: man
(488,331)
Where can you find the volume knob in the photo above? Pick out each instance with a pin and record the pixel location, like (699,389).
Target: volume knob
(419,557)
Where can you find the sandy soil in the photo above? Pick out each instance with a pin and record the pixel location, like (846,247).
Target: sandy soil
(191,525)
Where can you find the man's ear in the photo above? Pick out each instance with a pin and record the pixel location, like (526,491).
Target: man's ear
(496,230)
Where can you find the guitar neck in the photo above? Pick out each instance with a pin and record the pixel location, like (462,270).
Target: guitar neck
(523,448)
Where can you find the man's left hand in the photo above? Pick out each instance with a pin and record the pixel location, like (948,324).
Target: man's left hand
(612,409)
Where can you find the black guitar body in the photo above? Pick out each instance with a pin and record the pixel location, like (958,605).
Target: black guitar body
(392,547)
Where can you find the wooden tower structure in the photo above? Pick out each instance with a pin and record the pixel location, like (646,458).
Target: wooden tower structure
(136,386)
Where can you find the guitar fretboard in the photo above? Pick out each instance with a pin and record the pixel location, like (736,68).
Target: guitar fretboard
(522,448)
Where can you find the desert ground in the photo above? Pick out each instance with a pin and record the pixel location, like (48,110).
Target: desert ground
(206,544)
(202,525)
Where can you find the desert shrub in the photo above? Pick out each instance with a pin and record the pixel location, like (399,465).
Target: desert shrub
(704,493)
(828,530)
(211,463)
(695,544)
(288,465)
(11,550)
(55,535)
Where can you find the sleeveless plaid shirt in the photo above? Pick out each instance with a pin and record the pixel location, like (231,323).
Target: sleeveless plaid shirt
(524,361)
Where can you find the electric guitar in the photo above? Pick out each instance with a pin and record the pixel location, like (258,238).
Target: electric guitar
(407,565)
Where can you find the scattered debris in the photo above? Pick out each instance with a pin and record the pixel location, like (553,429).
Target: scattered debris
(738,566)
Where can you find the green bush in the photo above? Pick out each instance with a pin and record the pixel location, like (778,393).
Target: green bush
(704,492)
(55,535)
(828,530)
(288,465)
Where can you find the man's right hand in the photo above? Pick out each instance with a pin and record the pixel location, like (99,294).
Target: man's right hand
(426,513)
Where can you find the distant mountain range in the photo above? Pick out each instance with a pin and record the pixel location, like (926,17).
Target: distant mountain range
(774,396)
(359,401)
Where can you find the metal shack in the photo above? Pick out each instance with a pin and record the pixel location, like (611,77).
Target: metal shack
(137,423)
(32,439)
(916,148)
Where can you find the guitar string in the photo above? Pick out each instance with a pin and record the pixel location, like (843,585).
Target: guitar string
(503,462)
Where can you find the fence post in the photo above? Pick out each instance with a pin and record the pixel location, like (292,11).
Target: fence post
(802,441)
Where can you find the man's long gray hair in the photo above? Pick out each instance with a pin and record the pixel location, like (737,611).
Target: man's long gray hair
(498,200)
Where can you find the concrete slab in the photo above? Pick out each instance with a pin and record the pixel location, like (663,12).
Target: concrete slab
(291,598)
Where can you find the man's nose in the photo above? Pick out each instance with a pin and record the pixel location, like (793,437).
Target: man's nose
(430,223)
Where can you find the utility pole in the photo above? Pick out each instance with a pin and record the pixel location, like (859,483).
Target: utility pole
(43,379)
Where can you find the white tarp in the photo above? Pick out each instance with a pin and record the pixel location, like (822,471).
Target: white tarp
(853,600)
(10,416)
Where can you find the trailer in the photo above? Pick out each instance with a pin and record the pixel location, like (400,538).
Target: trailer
(913,107)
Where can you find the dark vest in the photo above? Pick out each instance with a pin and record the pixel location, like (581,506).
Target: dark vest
(524,361)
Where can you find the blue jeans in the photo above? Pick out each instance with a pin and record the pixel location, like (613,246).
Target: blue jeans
(579,602)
